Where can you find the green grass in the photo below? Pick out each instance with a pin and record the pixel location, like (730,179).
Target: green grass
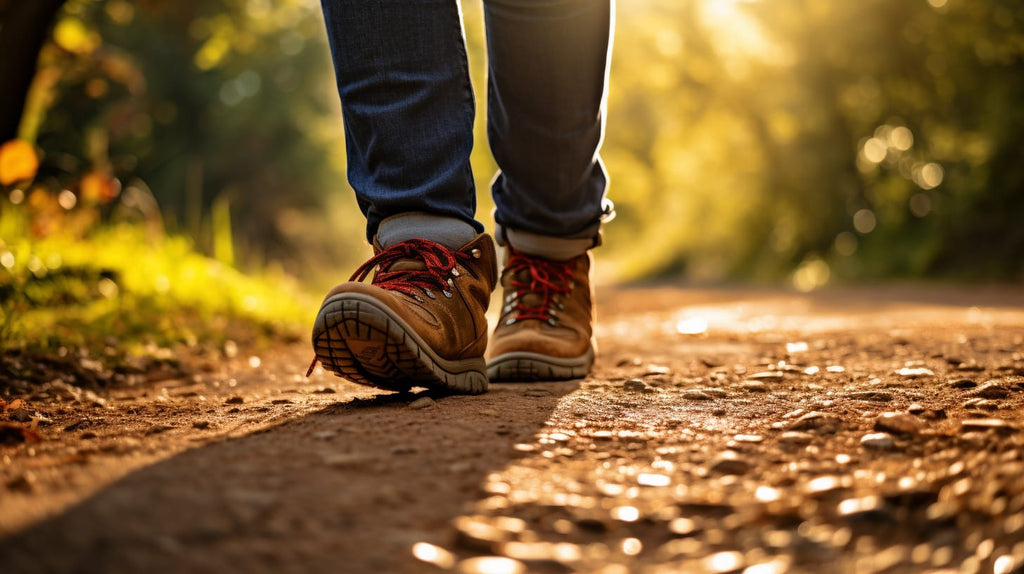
(126,286)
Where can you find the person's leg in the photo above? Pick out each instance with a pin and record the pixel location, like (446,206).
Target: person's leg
(548,63)
(408,110)
(547,89)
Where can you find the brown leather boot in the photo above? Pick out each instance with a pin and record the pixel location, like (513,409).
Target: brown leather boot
(420,322)
(545,328)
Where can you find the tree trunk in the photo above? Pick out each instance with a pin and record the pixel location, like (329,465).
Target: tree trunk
(24,28)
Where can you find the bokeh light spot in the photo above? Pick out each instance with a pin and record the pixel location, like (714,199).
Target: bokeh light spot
(901,138)
(920,204)
(67,199)
(626,513)
(875,150)
(632,546)
(930,176)
(812,274)
(845,244)
(864,221)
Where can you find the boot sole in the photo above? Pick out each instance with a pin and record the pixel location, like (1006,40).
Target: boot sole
(360,339)
(532,367)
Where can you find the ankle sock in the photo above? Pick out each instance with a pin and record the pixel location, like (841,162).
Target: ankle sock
(448,231)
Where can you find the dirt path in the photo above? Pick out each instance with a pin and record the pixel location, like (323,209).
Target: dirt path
(875,430)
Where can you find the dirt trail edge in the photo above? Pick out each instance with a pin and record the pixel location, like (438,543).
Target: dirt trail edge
(872,430)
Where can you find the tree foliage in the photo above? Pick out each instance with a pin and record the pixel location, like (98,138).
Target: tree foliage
(858,139)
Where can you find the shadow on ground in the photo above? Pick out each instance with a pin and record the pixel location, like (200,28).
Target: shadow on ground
(311,494)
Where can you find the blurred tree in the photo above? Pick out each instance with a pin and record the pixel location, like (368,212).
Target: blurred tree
(24,28)
(856,140)
(195,104)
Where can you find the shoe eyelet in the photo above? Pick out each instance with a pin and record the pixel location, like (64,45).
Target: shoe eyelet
(430,293)
(511,321)
(476,253)
(447,293)
(455,272)
(418,298)
(553,322)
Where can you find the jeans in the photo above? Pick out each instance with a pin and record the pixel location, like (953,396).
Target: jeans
(408,109)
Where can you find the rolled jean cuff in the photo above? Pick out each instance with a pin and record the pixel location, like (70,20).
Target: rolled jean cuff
(546,246)
(451,232)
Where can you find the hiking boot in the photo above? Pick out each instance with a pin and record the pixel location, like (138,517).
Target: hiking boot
(420,322)
(545,328)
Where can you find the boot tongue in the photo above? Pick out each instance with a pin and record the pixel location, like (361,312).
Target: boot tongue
(531,299)
(407,265)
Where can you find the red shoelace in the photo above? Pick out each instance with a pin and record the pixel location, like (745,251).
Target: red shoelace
(439,267)
(545,279)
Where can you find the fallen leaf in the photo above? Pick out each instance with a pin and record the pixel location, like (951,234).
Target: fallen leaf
(13,433)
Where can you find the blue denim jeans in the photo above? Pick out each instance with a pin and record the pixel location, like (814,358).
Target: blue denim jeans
(408,109)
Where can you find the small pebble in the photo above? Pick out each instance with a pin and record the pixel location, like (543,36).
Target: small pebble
(696,395)
(752,438)
(877,441)
(987,424)
(817,421)
(879,396)
(870,508)
(915,372)
(795,438)
(234,401)
(991,390)
(729,462)
(899,423)
(981,405)
(422,403)
(824,485)
(635,386)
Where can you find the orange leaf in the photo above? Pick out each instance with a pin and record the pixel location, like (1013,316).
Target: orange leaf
(14,433)
(18,161)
